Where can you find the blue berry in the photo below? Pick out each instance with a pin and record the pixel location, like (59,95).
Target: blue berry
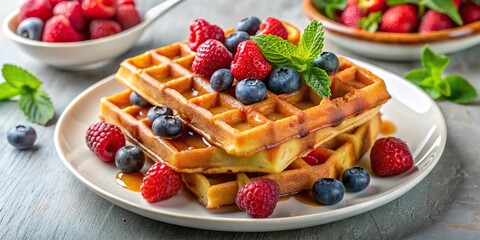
(22,137)
(138,100)
(355,179)
(221,80)
(250,25)
(158,111)
(250,91)
(284,80)
(167,126)
(129,159)
(327,61)
(31,28)
(232,41)
(328,191)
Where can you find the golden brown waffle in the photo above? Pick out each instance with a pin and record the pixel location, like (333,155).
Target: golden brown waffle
(342,152)
(191,153)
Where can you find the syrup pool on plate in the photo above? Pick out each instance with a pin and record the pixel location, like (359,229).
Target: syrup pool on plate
(388,128)
(130,181)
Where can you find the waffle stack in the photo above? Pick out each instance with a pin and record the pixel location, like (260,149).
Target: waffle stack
(226,143)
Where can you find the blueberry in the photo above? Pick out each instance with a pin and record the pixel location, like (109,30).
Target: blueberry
(167,126)
(250,25)
(327,61)
(235,39)
(284,80)
(355,179)
(158,111)
(31,28)
(138,100)
(129,159)
(21,136)
(250,91)
(328,191)
(221,80)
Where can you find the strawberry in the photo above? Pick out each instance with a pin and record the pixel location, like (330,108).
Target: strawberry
(400,19)
(201,31)
(211,56)
(127,16)
(99,9)
(457,3)
(59,29)
(125,2)
(351,16)
(100,28)
(273,26)
(73,11)
(55,2)
(249,62)
(316,157)
(368,6)
(434,21)
(36,8)
(352,2)
(470,13)
(390,156)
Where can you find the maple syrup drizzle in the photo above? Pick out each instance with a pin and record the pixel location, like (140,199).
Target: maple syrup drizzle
(284,198)
(306,198)
(130,181)
(388,128)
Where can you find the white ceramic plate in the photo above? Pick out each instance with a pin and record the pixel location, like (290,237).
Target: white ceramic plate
(417,118)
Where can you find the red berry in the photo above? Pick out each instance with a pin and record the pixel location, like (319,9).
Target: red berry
(258,198)
(160,183)
(470,13)
(352,2)
(316,157)
(127,16)
(368,6)
(59,29)
(457,3)
(201,31)
(211,56)
(104,139)
(55,2)
(100,28)
(249,62)
(401,19)
(126,2)
(99,9)
(434,21)
(36,8)
(273,26)
(390,156)
(73,11)
(351,16)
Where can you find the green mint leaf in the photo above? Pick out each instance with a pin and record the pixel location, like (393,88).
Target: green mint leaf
(432,93)
(318,80)
(329,7)
(37,107)
(462,91)
(18,77)
(7,91)
(370,22)
(442,86)
(417,76)
(445,6)
(434,63)
(311,43)
(398,2)
(276,50)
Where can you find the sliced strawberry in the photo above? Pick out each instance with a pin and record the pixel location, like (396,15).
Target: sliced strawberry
(211,56)
(99,9)
(249,62)
(273,26)
(59,29)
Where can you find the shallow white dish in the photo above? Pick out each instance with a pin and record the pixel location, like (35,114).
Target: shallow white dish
(417,118)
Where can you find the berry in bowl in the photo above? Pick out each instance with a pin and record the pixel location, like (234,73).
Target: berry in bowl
(78,35)
(398,30)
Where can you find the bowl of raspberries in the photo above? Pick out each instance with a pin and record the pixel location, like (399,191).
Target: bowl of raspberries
(72,34)
(397,30)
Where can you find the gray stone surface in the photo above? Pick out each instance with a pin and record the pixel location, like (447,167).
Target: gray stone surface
(41,199)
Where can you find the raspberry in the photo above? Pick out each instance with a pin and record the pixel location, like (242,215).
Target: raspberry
(351,16)
(127,16)
(36,8)
(400,18)
(258,198)
(201,31)
(316,157)
(434,21)
(160,183)
(104,139)
(249,62)
(59,29)
(273,26)
(99,9)
(211,56)
(102,28)
(390,156)
(73,11)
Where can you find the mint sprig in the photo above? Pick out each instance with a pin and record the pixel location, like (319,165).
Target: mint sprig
(370,23)
(34,101)
(443,6)
(430,78)
(282,53)
(329,7)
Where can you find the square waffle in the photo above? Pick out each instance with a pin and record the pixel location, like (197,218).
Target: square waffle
(192,153)
(341,152)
